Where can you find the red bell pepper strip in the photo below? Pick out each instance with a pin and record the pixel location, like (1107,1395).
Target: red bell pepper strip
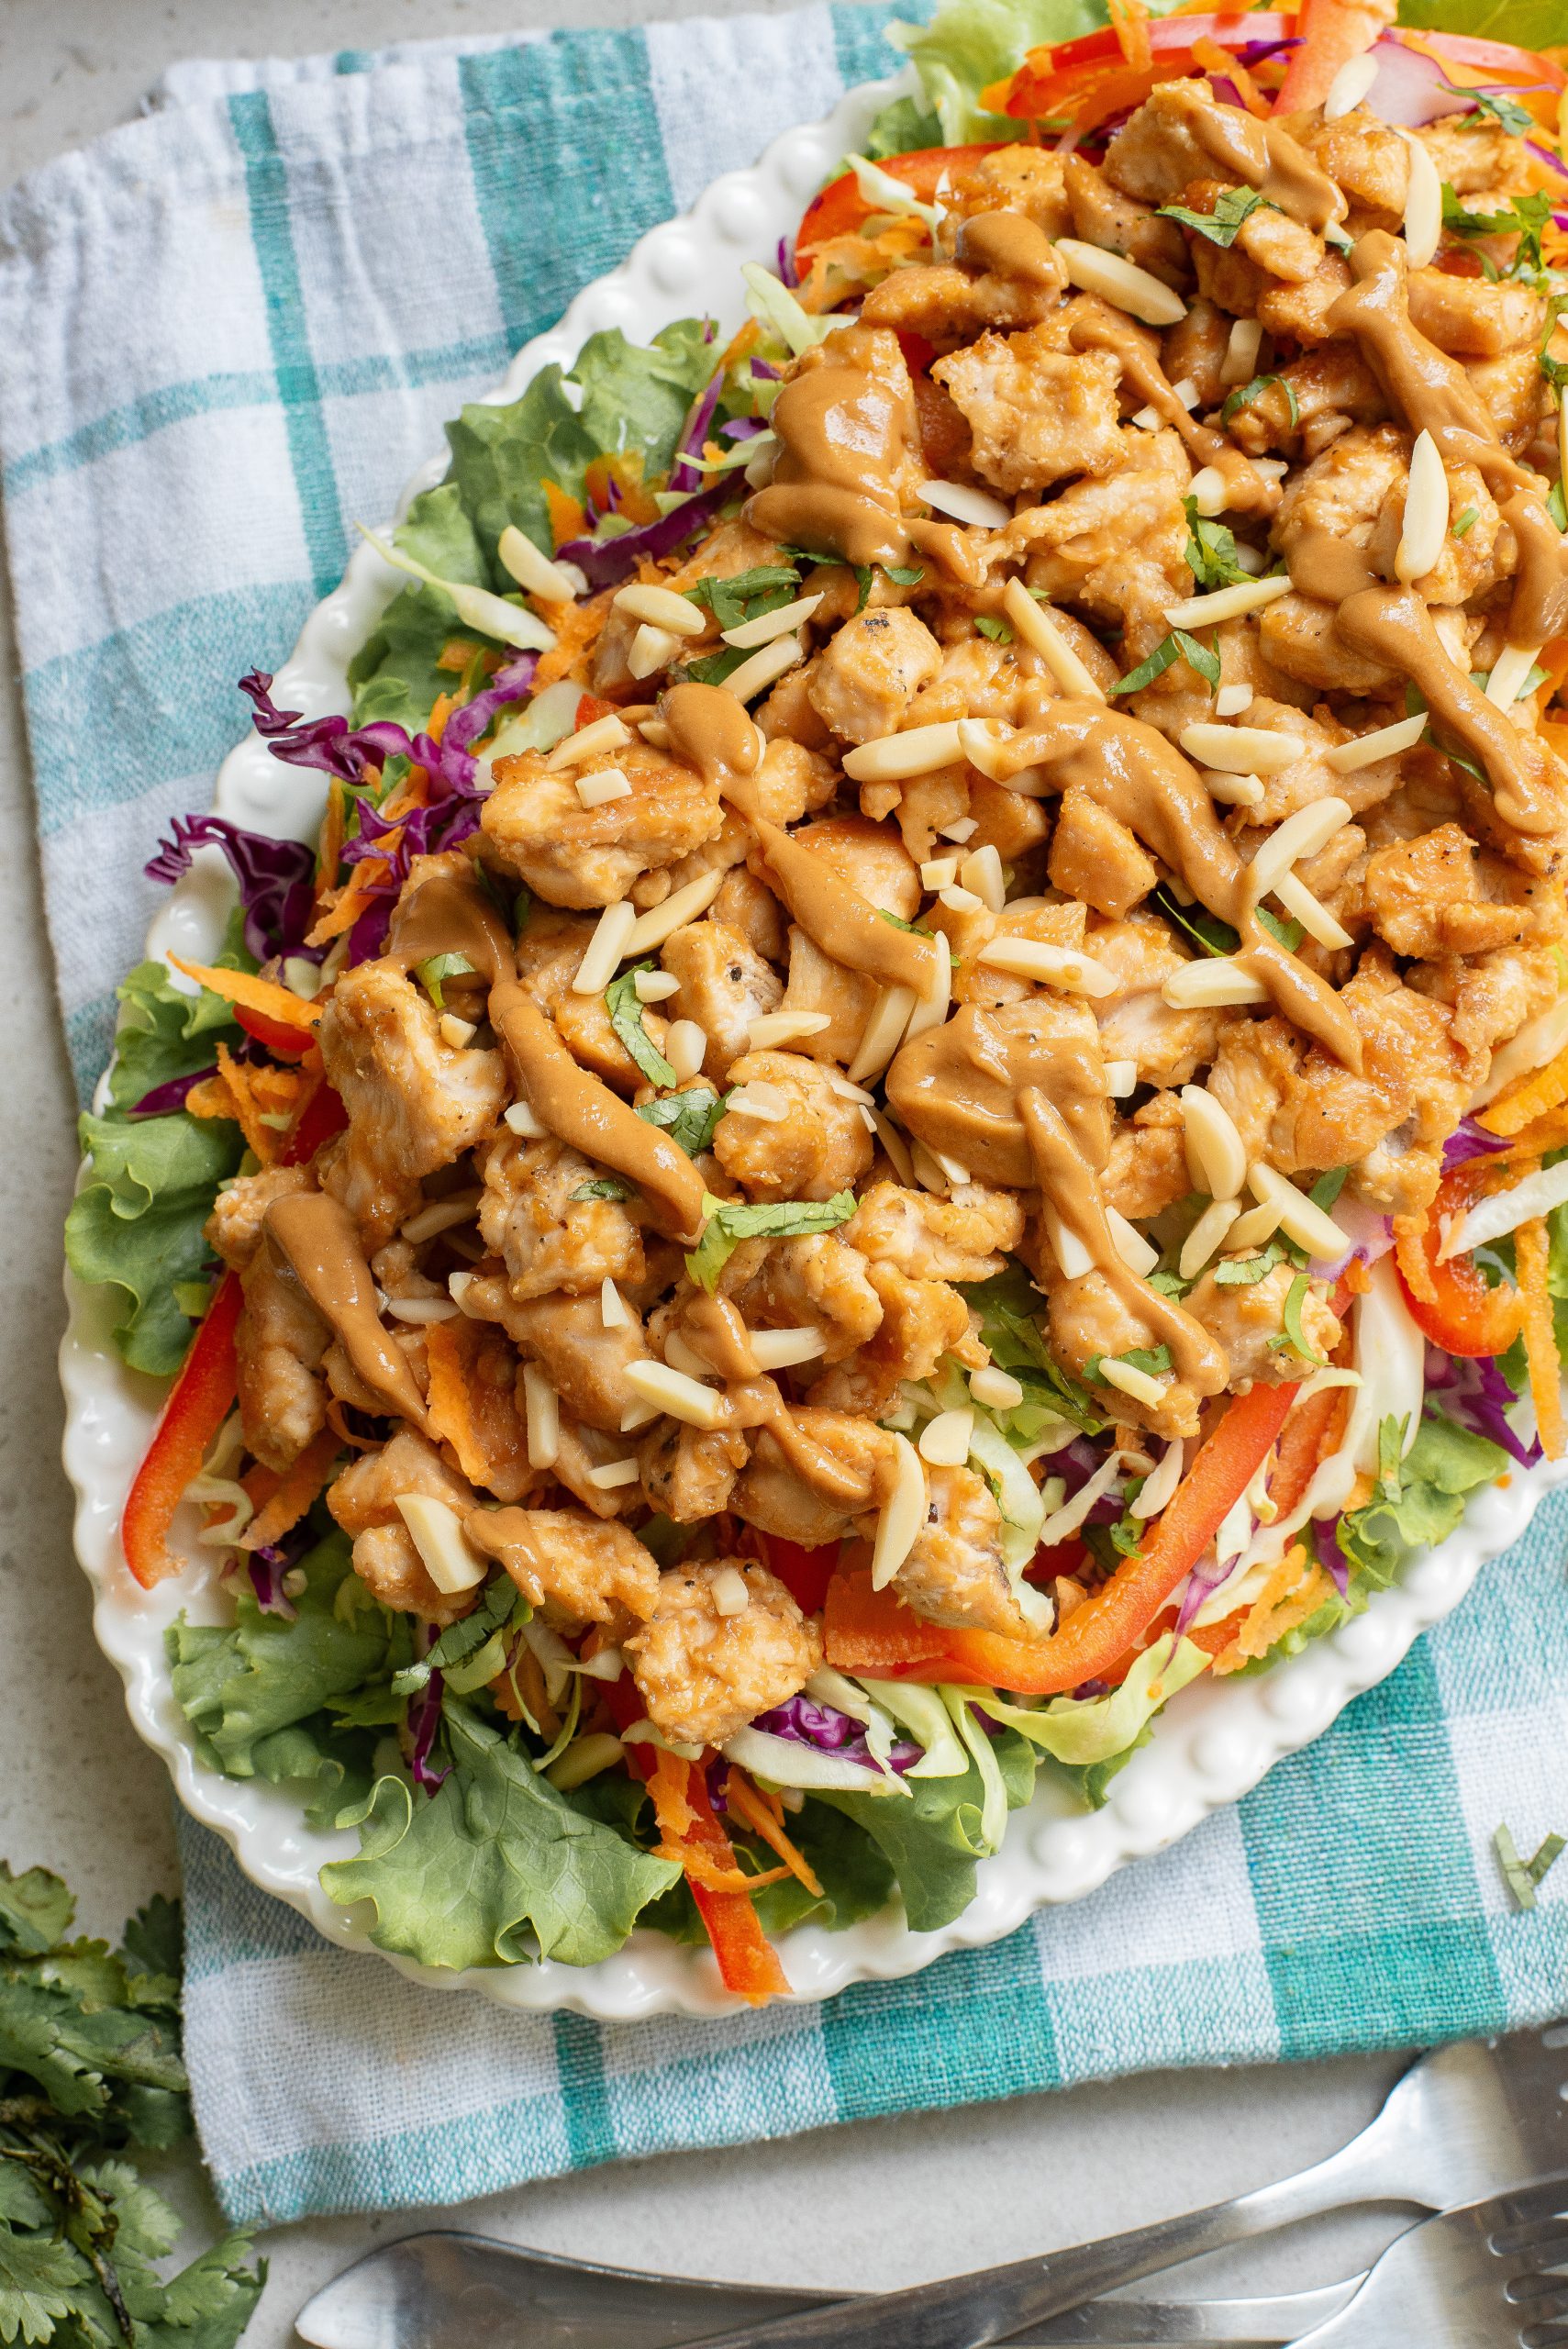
(841,208)
(199,1401)
(322,1117)
(1452,1304)
(1332,32)
(805,1573)
(288,1044)
(864,1633)
(748,1964)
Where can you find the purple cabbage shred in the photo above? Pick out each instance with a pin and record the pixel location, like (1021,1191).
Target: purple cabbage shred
(1469,1140)
(1478,1396)
(685,474)
(788,273)
(267,1568)
(424,1721)
(1329,1555)
(803,1722)
(276,878)
(605,562)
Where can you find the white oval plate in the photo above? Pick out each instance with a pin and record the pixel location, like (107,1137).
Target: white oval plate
(1214,1742)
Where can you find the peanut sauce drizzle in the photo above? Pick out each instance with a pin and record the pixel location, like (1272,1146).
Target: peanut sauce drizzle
(1068,1184)
(1095,325)
(711,731)
(846,926)
(1261,155)
(446,916)
(314,1235)
(1009,244)
(956,1087)
(1391,623)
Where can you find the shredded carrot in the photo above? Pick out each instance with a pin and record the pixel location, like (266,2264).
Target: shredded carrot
(567,519)
(749,1805)
(621,473)
(345,1433)
(1532,1253)
(1413,1260)
(262,1139)
(1294,1590)
(455,653)
(445,705)
(302,1484)
(1129,22)
(356,895)
(450,1353)
(741,344)
(524,1675)
(264,995)
(1521,1104)
(1214,60)
(577,628)
(1545,1133)
(212,1098)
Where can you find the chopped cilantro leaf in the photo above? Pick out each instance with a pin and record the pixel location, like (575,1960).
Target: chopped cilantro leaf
(603,1186)
(497,1604)
(1467,521)
(1215,937)
(731,1220)
(1210,549)
(1154,1359)
(1327,1188)
(689,1118)
(1246,394)
(1232,206)
(1497,107)
(1177,645)
(748,595)
(439,967)
(1526,217)
(714,667)
(905,574)
(1292,1335)
(625,1007)
(996,629)
(1240,1272)
(1287,933)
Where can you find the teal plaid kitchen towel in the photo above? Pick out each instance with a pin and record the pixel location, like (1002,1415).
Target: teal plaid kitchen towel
(224,331)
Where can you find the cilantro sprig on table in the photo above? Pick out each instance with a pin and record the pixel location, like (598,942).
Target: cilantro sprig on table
(90,2064)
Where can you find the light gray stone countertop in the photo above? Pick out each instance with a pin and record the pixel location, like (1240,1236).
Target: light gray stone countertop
(877,2204)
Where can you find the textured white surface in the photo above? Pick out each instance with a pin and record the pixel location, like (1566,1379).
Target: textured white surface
(881,2203)
(1215,1741)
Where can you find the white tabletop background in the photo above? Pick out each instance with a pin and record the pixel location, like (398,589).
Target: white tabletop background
(879,2204)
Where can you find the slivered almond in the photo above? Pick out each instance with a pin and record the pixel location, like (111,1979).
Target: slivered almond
(661,607)
(972,507)
(1120,283)
(1385,743)
(1227,603)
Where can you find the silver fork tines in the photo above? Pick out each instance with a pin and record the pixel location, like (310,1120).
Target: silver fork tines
(1472,2279)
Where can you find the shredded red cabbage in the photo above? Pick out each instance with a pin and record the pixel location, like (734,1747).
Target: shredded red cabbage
(803,1722)
(1205,1579)
(329,743)
(424,1720)
(1326,1530)
(267,1568)
(605,562)
(684,474)
(1477,1394)
(276,878)
(787,270)
(1469,1140)
(764,371)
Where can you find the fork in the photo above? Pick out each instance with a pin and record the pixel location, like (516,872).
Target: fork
(1467,2120)
(1472,2279)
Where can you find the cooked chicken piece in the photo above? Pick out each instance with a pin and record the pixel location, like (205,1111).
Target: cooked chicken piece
(1094,857)
(1103,215)
(585,1363)
(948,306)
(495,1407)
(365,1503)
(749,905)
(1010,821)
(1472,319)
(1248,1319)
(1493,997)
(870,858)
(1088,1320)
(415,1102)
(1154,155)
(981,679)
(1195,349)
(1037,414)
(1029,179)
(955,1574)
(724,852)
(927,804)
(547,964)
(582,1451)
(1334,388)
(550,1237)
(576,1569)
(688,1474)
(921,1321)
(819,1146)
(1299,1108)
(704,1674)
(1423,896)
(816,1281)
(1136,1023)
(818,984)
(770,1495)
(1475,157)
(787,715)
(1370,162)
(871,671)
(1297,637)
(724,986)
(280,1339)
(1146,1169)
(1308,779)
(536,826)
(1517,396)
(1304,310)
(1099,537)
(966,1238)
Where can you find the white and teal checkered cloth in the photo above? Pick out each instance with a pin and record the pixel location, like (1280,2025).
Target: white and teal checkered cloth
(224,331)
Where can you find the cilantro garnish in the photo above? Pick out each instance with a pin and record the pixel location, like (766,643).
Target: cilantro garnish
(714,667)
(905,574)
(731,1220)
(1525,217)
(1240,1272)
(625,1007)
(1493,104)
(498,1602)
(689,1118)
(1210,549)
(1327,1188)
(1521,1876)
(1232,206)
(1555,370)
(439,967)
(1156,1359)
(1292,1335)
(1467,521)
(998,631)
(748,595)
(1177,645)
(90,2064)
(603,1186)
(1247,393)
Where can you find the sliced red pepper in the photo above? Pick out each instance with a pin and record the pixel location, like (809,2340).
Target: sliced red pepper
(748,1964)
(287,1043)
(841,208)
(863,1632)
(805,1573)
(1452,1304)
(592,706)
(199,1401)
(322,1117)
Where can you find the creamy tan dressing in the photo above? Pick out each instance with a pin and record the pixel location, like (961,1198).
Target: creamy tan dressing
(315,1237)
(1068,1184)
(1264,156)
(710,730)
(1009,244)
(846,926)
(1096,325)
(956,1087)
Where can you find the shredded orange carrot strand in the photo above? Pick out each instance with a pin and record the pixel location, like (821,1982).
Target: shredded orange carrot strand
(1532,1253)
(330,853)
(1413,1261)
(1545,1133)
(448,1353)
(256,994)
(1214,60)
(748,1804)
(344,1433)
(302,1484)
(567,519)
(740,345)
(1294,1591)
(577,628)
(260,1138)
(355,895)
(212,1098)
(1521,1104)
(1129,22)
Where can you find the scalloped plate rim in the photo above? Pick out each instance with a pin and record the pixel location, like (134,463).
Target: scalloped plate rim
(1214,1744)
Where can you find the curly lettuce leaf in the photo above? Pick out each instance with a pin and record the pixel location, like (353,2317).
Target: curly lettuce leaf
(933,1842)
(1442,1467)
(967,46)
(395,673)
(244,1690)
(495,1863)
(136,1224)
(166,1032)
